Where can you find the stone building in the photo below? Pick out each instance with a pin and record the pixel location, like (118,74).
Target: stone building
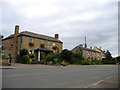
(88,53)
(33,42)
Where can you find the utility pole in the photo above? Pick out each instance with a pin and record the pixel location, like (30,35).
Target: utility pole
(85,48)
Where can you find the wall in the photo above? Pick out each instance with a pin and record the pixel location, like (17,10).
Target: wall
(37,42)
(6,45)
(88,56)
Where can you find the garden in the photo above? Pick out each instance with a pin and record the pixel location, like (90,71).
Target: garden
(66,57)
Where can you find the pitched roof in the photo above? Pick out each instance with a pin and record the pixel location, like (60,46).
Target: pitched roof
(87,49)
(11,36)
(34,35)
(99,49)
(40,36)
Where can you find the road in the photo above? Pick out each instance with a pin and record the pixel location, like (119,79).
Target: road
(56,77)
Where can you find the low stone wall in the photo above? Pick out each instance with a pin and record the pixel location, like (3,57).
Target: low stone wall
(4,62)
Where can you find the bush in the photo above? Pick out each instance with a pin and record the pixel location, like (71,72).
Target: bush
(66,55)
(112,61)
(85,62)
(49,57)
(31,55)
(23,52)
(76,59)
(3,56)
(96,62)
(22,59)
(64,63)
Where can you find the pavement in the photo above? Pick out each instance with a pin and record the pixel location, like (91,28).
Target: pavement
(109,82)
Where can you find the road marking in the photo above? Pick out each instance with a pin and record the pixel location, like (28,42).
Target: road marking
(93,84)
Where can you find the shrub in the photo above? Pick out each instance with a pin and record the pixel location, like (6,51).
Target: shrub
(111,61)
(34,62)
(31,55)
(64,63)
(76,59)
(96,62)
(49,57)
(3,56)
(22,59)
(23,52)
(118,59)
(85,62)
(66,55)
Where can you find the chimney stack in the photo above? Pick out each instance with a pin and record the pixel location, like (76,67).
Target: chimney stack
(16,29)
(56,36)
(90,47)
(15,45)
(100,47)
(85,45)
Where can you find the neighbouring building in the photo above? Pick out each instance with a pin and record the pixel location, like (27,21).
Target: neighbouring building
(100,50)
(89,53)
(36,44)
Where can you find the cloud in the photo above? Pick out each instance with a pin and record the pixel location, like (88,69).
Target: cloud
(72,19)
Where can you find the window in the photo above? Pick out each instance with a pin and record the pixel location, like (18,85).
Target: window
(94,54)
(77,51)
(98,54)
(88,53)
(31,40)
(53,44)
(42,42)
(30,51)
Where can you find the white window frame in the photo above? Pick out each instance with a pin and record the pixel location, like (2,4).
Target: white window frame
(30,51)
(98,54)
(54,44)
(88,53)
(31,40)
(94,54)
(42,42)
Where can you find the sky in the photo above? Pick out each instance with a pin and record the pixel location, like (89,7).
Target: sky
(71,19)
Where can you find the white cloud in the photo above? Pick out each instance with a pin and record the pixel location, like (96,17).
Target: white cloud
(72,19)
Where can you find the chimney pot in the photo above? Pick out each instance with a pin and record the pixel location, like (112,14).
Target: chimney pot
(16,29)
(56,36)
(90,47)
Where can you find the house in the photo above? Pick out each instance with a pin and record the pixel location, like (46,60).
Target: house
(88,53)
(100,50)
(36,44)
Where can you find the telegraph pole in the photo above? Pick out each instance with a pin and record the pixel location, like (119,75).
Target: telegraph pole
(85,48)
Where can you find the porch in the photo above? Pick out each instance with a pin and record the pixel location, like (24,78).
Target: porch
(41,53)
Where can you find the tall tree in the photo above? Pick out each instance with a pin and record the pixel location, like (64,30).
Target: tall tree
(108,55)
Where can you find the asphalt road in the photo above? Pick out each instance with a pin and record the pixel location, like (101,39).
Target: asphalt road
(56,77)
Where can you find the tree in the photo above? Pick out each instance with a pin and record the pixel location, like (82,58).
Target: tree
(108,55)
(118,58)
(23,52)
(66,55)
(109,59)
(23,57)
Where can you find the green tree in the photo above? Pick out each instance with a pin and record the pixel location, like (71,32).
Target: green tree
(66,55)
(49,57)
(118,58)
(23,52)
(23,57)
(108,55)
